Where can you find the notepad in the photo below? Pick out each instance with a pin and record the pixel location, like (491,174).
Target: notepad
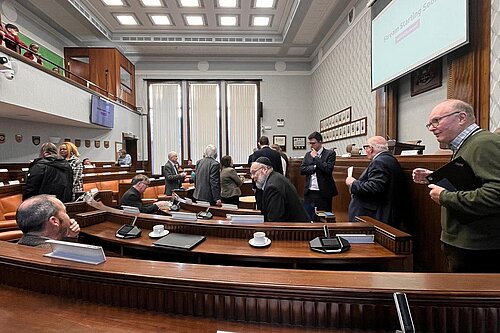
(180,241)
(454,176)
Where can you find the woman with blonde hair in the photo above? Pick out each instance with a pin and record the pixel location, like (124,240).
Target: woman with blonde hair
(69,151)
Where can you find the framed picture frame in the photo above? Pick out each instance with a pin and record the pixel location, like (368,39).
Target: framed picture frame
(426,78)
(298,142)
(280,140)
(118,147)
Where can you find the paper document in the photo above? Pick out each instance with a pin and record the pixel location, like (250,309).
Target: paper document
(349,171)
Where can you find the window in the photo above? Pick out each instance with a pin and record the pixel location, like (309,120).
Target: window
(186,116)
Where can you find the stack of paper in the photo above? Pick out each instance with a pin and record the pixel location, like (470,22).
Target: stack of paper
(203,203)
(229,206)
(358,238)
(245,218)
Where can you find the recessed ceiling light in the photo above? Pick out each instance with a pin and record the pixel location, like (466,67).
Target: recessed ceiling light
(126,19)
(264,3)
(261,21)
(113,2)
(190,3)
(228,3)
(161,19)
(228,20)
(194,20)
(151,3)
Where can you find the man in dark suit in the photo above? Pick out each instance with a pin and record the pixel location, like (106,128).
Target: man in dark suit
(271,154)
(173,179)
(280,201)
(378,191)
(317,166)
(207,180)
(133,196)
(275,158)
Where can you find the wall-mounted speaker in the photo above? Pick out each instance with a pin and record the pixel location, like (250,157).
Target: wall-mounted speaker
(260,110)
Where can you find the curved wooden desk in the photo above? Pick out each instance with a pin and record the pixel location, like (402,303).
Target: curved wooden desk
(466,303)
(228,243)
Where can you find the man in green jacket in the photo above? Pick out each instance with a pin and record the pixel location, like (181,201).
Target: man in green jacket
(470,233)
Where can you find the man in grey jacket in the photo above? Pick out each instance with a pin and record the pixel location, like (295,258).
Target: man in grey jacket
(207,181)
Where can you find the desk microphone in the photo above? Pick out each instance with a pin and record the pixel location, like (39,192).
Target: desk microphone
(205,215)
(129,230)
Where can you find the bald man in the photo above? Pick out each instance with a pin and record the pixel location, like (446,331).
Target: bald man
(378,190)
(470,232)
(44,217)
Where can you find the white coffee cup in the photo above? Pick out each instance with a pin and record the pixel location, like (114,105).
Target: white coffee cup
(158,229)
(259,238)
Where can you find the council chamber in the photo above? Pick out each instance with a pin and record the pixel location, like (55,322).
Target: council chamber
(149,89)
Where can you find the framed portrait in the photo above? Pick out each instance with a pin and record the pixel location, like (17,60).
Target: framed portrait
(118,147)
(280,140)
(363,126)
(357,127)
(426,78)
(298,142)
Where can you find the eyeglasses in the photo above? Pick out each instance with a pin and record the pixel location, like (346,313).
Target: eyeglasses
(313,142)
(252,173)
(147,184)
(367,146)
(435,122)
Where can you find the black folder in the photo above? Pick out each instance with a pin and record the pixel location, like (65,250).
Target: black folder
(180,241)
(454,176)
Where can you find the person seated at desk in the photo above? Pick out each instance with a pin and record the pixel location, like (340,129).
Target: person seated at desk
(87,163)
(44,217)
(134,194)
(124,158)
(280,201)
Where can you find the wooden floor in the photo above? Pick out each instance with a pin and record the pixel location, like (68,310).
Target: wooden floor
(25,311)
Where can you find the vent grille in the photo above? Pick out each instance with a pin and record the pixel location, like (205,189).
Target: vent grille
(196,39)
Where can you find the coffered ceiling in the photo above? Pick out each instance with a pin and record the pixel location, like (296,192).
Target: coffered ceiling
(296,30)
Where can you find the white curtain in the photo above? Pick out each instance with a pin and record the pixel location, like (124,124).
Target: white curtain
(203,117)
(242,120)
(165,120)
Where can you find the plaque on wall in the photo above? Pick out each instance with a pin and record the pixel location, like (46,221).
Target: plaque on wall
(97,143)
(35,140)
(106,144)
(67,140)
(19,138)
(87,143)
(2,137)
(78,143)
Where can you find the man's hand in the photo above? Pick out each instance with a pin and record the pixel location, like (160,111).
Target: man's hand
(349,181)
(435,192)
(218,203)
(74,229)
(419,175)
(314,153)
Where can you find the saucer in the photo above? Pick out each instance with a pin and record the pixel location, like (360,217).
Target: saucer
(252,243)
(152,234)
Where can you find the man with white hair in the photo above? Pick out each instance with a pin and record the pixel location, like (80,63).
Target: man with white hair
(207,180)
(173,178)
(378,190)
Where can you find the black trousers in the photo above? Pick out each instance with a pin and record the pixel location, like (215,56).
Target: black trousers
(235,200)
(314,199)
(471,261)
